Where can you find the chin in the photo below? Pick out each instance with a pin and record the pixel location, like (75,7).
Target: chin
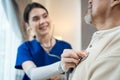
(44,33)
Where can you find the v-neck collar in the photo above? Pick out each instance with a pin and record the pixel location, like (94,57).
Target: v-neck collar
(51,50)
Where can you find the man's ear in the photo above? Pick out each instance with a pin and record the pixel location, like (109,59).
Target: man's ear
(115,3)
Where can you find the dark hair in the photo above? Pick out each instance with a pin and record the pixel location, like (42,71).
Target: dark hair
(29,7)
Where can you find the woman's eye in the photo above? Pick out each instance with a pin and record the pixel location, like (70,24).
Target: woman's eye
(35,18)
(45,16)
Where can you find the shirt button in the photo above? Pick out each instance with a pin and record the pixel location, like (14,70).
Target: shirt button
(90,46)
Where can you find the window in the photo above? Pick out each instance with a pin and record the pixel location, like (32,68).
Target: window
(3,26)
(9,41)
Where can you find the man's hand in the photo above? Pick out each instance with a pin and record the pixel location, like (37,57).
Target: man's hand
(70,58)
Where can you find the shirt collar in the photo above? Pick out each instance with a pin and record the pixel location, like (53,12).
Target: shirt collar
(103,33)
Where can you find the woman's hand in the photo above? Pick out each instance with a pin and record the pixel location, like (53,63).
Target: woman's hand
(70,58)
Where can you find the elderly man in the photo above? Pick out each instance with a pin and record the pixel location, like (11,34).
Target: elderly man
(103,61)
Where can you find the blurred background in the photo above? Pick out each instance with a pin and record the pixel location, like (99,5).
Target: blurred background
(67,17)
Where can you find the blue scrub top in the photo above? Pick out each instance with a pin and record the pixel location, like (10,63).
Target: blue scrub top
(32,50)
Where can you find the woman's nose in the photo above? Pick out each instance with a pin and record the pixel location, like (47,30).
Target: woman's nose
(42,21)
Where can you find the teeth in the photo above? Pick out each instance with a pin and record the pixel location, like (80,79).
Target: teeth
(43,28)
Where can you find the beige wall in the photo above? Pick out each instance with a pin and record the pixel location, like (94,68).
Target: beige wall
(43,2)
(65,15)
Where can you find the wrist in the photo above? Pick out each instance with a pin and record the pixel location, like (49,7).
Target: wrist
(60,68)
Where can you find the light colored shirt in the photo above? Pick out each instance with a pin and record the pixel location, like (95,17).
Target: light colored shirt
(103,61)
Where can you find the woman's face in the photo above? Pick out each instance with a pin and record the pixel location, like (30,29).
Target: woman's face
(39,21)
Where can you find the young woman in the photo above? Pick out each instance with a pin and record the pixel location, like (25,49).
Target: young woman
(40,57)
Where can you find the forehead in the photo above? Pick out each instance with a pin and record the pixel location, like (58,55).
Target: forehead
(37,12)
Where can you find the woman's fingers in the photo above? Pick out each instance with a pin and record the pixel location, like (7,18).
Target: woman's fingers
(70,60)
(69,53)
(82,54)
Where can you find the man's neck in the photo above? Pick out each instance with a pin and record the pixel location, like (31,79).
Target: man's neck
(108,24)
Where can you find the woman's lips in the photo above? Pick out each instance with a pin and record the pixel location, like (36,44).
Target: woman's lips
(43,28)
